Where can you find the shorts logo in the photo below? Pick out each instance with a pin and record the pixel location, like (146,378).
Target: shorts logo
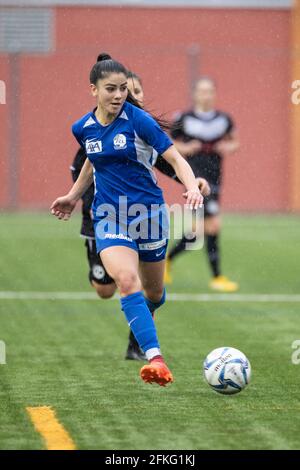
(98,271)
(93,146)
(120,142)
(120,236)
(159,254)
(153,245)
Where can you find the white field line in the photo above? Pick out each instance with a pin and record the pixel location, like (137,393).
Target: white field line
(19,295)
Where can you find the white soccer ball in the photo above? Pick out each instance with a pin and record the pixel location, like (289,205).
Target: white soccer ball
(227,370)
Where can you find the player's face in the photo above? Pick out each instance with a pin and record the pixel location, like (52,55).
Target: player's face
(205,94)
(136,90)
(111,92)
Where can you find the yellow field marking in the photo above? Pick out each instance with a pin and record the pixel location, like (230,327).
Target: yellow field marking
(46,423)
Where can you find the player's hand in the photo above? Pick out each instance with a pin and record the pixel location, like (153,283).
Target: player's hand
(222,146)
(62,207)
(193,198)
(203,186)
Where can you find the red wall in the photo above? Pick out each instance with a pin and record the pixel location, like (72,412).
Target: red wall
(246,51)
(3,136)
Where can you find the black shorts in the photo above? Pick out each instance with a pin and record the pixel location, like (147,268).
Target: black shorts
(212,202)
(97,271)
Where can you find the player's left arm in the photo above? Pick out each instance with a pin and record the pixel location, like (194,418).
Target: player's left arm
(185,175)
(166,169)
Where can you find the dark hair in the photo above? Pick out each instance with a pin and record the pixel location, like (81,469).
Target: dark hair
(104,66)
(133,75)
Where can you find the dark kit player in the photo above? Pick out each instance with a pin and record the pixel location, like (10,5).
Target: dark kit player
(203,136)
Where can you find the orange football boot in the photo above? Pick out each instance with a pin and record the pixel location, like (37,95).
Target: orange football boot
(157,371)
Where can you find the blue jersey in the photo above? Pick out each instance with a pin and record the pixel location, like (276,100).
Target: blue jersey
(123,154)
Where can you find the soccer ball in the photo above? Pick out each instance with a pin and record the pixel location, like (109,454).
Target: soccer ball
(227,370)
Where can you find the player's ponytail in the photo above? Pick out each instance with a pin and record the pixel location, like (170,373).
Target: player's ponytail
(103,56)
(104,66)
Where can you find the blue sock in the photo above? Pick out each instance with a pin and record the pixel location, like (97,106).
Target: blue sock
(141,323)
(155,305)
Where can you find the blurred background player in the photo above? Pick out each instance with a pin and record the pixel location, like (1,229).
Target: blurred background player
(98,277)
(204,136)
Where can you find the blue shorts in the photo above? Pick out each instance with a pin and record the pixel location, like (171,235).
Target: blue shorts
(148,250)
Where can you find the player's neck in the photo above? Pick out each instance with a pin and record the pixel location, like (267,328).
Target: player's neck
(104,117)
(203,109)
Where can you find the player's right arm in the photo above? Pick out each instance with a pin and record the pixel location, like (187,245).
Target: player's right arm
(88,196)
(63,206)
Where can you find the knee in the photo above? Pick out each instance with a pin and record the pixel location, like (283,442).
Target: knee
(105,291)
(154,293)
(128,282)
(212,226)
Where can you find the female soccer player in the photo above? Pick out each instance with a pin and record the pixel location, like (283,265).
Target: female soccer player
(120,140)
(99,278)
(204,135)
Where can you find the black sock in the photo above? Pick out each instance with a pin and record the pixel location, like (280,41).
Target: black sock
(213,253)
(180,246)
(132,341)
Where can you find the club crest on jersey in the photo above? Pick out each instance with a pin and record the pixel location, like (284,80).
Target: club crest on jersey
(93,146)
(120,142)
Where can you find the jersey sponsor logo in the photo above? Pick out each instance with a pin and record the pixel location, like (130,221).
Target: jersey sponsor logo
(93,146)
(120,142)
